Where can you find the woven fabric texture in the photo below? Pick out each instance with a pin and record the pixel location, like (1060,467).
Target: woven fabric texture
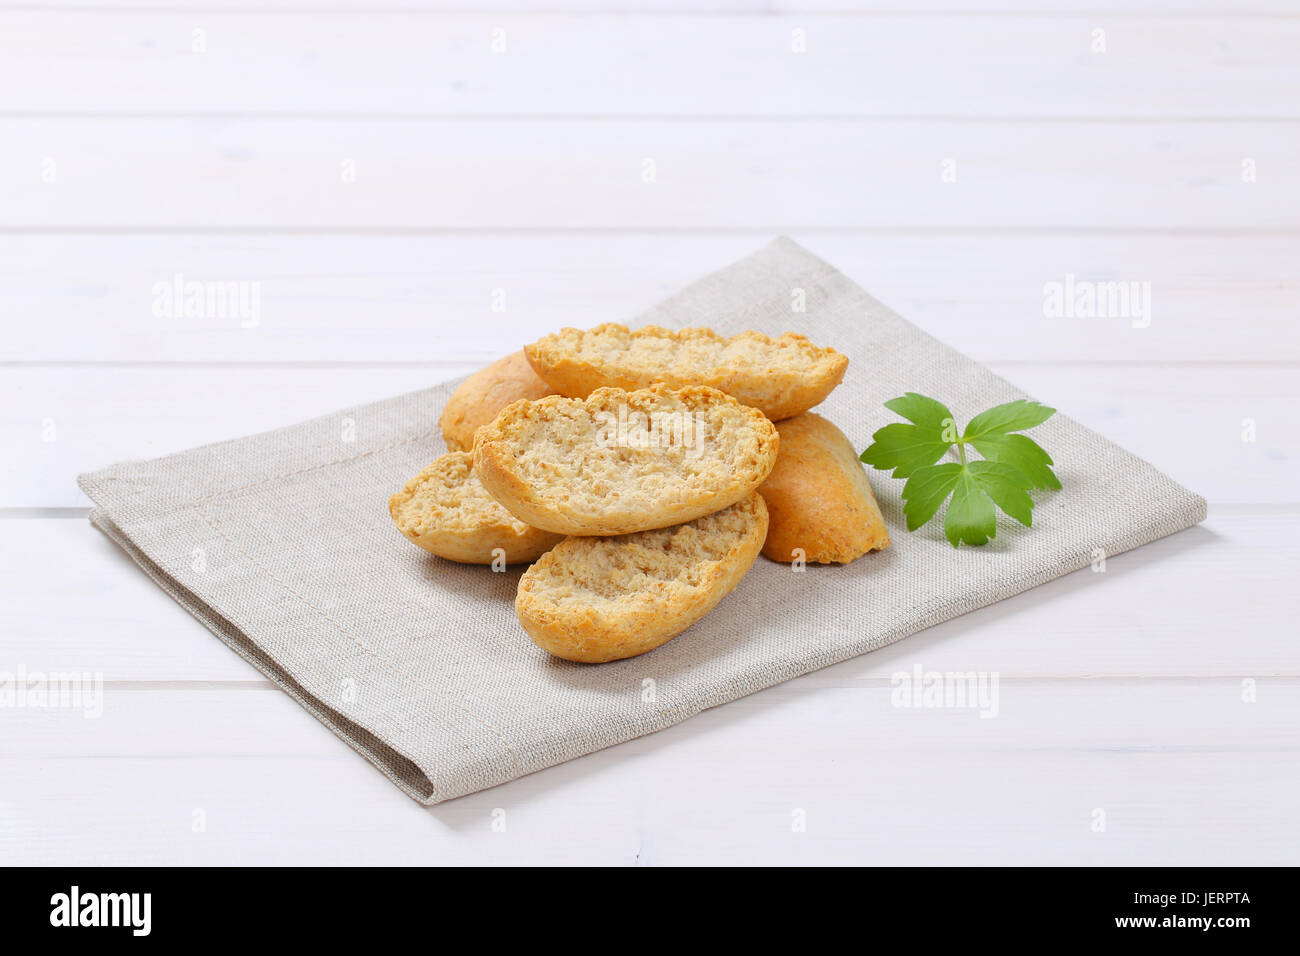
(420,664)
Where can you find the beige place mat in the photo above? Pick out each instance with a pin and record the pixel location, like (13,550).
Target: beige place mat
(282,545)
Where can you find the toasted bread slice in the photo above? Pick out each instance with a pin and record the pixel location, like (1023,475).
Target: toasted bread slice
(602,599)
(781,377)
(818,498)
(619,462)
(445,510)
(481,397)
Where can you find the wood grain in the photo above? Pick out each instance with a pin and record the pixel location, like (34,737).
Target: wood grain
(128,158)
(1184,771)
(374,298)
(767,64)
(765,177)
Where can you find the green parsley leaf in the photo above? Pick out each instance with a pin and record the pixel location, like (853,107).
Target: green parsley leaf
(927,490)
(1011,417)
(905,448)
(1022,453)
(1007,486)
(1012,466)
(923,411)
(970,516)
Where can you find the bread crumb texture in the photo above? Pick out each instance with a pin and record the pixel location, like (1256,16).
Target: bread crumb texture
(602,599)
(780,376)
(446,510)
(619,462)
(819,501)
(479,398)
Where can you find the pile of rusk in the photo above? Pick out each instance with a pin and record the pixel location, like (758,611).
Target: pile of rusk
(641,474)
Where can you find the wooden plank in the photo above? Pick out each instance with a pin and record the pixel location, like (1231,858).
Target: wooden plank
(69,420)
(99,613)
(63,420)
(1211,601)
(1050,713)
(329,298)
(764,64)
(762,176)
(1183,770)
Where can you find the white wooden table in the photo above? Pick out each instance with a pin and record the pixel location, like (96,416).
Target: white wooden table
(389,177)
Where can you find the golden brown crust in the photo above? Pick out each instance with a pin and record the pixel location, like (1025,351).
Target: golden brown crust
(818,498)
(479,398)
(445,510)
(602,599)
(780,376)
(619,462)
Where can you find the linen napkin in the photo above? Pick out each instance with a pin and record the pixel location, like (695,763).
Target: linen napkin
(281,544)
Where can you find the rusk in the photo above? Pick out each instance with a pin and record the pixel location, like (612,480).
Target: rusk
(780,376)
(479,398)
(819,502)
(445,510)
(619,462)
(602,599)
